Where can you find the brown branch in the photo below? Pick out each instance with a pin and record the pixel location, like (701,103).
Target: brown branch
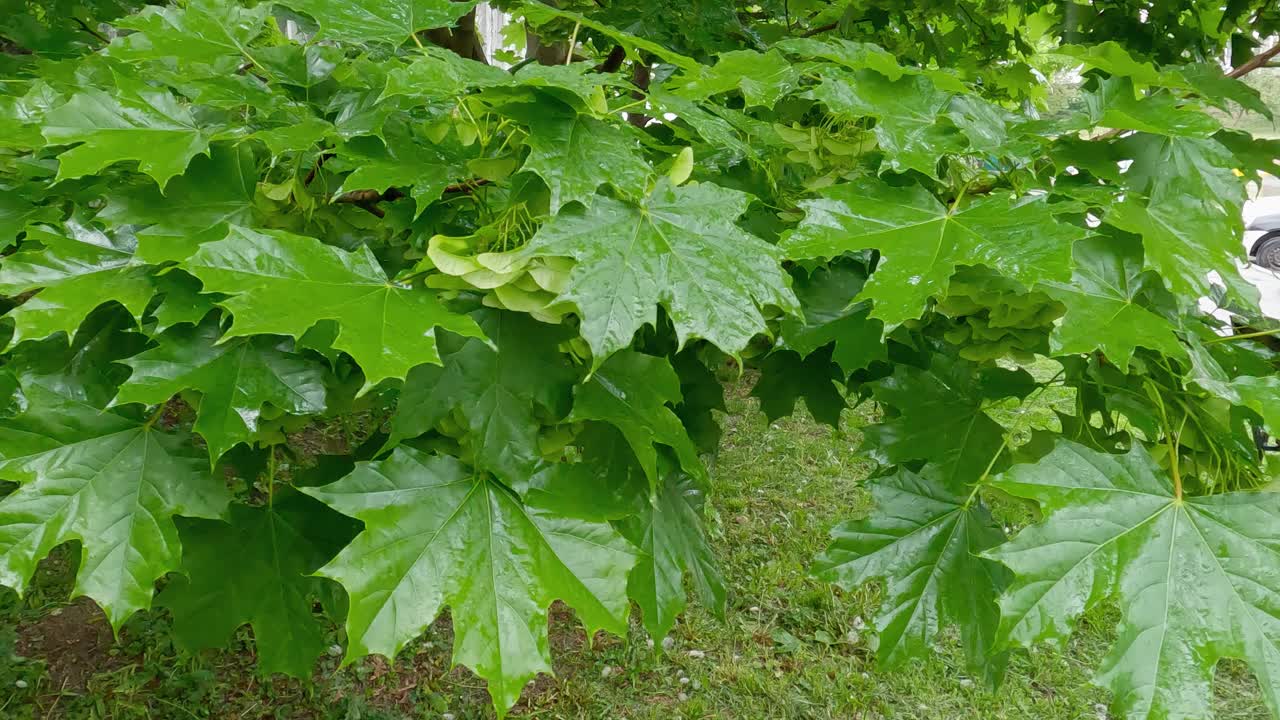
(462,39)
(614,61)
(820,29)
(641,77)
(85,26)
(1255,62)
(368,200)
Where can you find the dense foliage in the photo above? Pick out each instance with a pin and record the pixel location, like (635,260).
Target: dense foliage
(516,290)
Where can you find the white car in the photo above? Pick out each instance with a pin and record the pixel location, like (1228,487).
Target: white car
(1262,231)
(1262,242)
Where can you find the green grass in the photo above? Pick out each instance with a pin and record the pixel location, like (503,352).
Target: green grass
(791,647)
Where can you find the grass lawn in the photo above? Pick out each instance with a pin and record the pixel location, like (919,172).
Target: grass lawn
(791,647)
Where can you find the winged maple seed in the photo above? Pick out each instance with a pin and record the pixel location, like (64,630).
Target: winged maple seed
(505,285)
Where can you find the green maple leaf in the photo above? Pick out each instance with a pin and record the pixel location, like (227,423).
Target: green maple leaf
(1115,104)
(196,206)
(235,379)
(574,154)
(853,55)
(180,301)
(256,569)
(84,366)
(1184,236)
(1112,58)
(500,392)
(940,419)
(922,241)
(109,482)
(17,213)
(389,21)
(1193,576)
(576,84)
(1104,308)
(137,123)
(441,76)
(606,483)
(721,137)
(437,534)
(281,283)
(77,270)
(763,78)
(1262,395)
(830,315)
(668,531)
(679,249)
(1217,89)
(631,391)
(785,377)
(301,66)
(907,112)
(924,541)
(201,31)
(403,160)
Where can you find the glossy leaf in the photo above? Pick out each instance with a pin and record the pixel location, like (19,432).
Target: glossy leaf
(139,123)
(437,535)
(284,284)
(680,250)
(388,21)
(78,269)
(669,533)
(500,392)
(257,570)
(922,241)
(1194,576)
(632,391)
(924,541)
(235,380)
(111,483)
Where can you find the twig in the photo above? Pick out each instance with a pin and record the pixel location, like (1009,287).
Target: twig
(368,200)
(1255,62)
(91,31)
(820,29)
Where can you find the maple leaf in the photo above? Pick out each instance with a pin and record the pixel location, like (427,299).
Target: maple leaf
(1104,307)
(438,534)
(109,482)
(256,569)
(136,123)
(500,391)
(281,283)
(922,241)
(574,154)
(940,418)
(1192,574)
(387,21)
(235,379)
(669,533)
(925,542)
(75,271)
(631,391)
(681,250)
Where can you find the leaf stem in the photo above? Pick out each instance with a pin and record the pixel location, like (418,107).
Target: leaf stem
(156,415)
(1246,336)
(986,473)
(573,43)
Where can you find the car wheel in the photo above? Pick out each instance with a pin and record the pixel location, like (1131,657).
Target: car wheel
(1267,252)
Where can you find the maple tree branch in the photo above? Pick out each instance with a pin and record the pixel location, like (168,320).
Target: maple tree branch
(820,29)
(85,26)
(614,60)
(368,200)
(1255,62)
